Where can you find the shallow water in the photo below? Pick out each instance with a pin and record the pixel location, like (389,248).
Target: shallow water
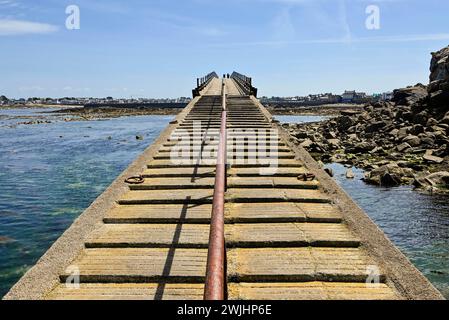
(49,173)
(418,224)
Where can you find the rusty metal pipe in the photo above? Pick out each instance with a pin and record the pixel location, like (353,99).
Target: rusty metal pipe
(215,286)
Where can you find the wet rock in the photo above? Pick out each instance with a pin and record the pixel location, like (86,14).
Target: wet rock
(437,179)
(329,171)
(387,175)
(390,180)
(350,174)
(139,137)
(4,239)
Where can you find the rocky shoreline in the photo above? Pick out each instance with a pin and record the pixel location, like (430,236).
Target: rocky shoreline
(327,110)
(88,114)
(399,142)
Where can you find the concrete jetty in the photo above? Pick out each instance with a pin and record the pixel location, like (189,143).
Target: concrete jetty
(291,232)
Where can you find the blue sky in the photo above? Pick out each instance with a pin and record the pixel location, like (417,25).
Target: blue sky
(156,48)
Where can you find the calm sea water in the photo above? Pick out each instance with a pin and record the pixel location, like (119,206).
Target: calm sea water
(49,173)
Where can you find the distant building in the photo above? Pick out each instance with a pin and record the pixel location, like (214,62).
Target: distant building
(348,96)
(386,96)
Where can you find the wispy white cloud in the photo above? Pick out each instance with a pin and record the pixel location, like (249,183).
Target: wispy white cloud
(12,27)
(344,40)
(9,4)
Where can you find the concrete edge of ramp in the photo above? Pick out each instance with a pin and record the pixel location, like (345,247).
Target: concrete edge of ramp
(44,275)
(401,273)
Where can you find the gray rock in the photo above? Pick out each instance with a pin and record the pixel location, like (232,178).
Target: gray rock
(334,142)
(417,129)
(412,140)
(387,175)
(410,95)
(350,174)
(431,122)
(390,180)
(344,123)
(433,159)
(307,143)
(403,146)
(437,179)
(374,127)
(403,132)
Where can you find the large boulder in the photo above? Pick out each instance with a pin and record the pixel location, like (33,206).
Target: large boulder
(410,95)
(439,180)
(344,123)
(439,66)
(388,175)
(439,79)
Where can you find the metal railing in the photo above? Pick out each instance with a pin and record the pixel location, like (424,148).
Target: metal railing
(202,82)
(245,83)
(216,287)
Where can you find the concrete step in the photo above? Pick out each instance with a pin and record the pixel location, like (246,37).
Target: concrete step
(250,235)
(137,265)
(129,291)
(201,127)
(231,148)
(217,120)
(185,154)
(236,133)
(178,265)
(234,213)
(309,291)
(298,264)
(200,172)
(231,144)
(236,291)
(189,196)
(274,163)
(233,182)
(275,195)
